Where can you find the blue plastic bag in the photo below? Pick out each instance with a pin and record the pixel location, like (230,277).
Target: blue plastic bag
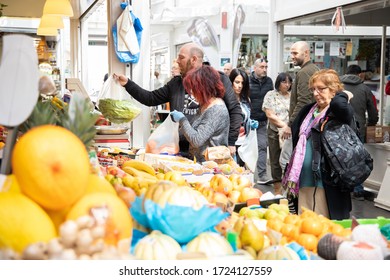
(179,222)
(128,57)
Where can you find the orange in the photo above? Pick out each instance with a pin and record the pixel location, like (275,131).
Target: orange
(107,208)
(295,233)
(52,166)
(312,225)
(275,224)
(291,219)
(308,241)
(337,229)
(287,229)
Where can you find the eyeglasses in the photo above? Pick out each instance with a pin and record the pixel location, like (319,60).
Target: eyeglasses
(318,89)
(286,82)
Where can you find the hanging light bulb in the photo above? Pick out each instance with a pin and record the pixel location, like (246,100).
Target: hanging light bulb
(51,21)
(58,8)
(47,31)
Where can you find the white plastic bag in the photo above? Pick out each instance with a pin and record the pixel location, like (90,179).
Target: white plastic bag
(165,139)
(248,151)
(116,104)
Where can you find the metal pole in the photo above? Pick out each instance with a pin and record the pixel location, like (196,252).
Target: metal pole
(382,75)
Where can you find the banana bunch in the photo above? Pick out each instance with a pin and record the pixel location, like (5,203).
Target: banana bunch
(58,103)
(140,175)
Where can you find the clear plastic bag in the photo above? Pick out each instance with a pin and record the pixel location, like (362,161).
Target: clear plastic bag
(165,139)
(248,151)
(115,103)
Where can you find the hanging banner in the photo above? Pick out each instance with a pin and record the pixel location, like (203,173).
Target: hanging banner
(202,32)
(237,34)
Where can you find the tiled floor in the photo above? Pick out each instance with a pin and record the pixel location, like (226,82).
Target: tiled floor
(360,209)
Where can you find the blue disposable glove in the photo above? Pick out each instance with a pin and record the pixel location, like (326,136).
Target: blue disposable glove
(254,124)
(177,116)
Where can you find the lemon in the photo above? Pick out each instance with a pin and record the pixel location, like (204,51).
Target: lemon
(22,222)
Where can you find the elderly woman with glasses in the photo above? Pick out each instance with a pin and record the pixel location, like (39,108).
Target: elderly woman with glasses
(302,178)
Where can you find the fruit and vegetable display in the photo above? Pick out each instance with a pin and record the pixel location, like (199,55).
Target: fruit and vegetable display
(57,205)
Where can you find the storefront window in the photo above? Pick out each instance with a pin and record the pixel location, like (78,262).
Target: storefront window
(95,50)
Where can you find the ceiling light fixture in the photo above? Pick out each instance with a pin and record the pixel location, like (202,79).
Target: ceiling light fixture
(58,8)
(51,21)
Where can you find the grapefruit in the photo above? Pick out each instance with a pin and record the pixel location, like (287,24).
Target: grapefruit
(107,208)
(51,165)
(22,222)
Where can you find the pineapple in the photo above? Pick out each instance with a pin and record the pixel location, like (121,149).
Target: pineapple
(76,117)
(43,113)
(79,119)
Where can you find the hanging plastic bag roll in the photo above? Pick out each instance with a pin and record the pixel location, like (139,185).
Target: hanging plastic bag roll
(165,139)
(248,151)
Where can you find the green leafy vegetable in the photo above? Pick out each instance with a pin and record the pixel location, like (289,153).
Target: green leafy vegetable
(118,111)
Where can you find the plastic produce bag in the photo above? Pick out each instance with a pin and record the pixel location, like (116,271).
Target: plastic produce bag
(248,151)
(115,103)
(179,222)
(165,139)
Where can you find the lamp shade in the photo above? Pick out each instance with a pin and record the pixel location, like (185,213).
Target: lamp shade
(58,8)
(47,31)
(51,21)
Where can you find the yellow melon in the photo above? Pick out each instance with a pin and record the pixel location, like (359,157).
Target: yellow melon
(58,216)
(51,165)
(22,222)
(101,204)
(98,184)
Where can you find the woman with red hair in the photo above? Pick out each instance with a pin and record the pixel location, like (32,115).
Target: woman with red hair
(211,126)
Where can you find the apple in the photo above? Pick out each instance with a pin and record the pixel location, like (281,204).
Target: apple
(234,196)
(240,182)
(220,198)
(243,211)
(220,183)
(248,193)
(226,168)
(175,177)
(270,214)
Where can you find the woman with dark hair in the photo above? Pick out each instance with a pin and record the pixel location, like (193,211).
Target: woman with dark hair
(276,106)
(240,84)
(211,125)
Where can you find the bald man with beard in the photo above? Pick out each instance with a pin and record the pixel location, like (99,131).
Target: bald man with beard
(300,93)
(190,57)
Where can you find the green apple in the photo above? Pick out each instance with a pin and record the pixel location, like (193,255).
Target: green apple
(270,214)
(243,211)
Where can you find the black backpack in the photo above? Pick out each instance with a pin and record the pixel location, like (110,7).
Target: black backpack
(346,161)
